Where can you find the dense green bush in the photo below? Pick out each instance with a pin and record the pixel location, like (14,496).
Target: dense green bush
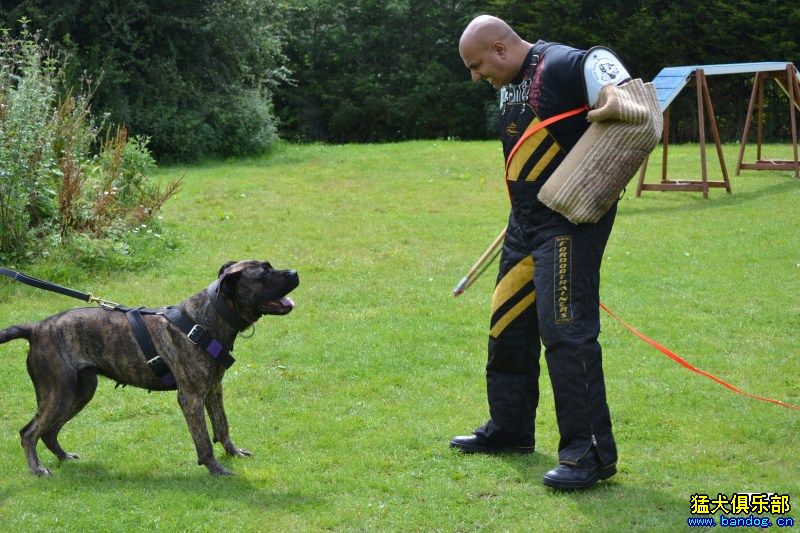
(67,184)
(369,70)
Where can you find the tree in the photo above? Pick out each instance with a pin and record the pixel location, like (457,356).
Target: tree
(194,75)
(651,34)
(371,70)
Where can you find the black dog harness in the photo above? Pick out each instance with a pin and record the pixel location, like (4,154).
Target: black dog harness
(196,333)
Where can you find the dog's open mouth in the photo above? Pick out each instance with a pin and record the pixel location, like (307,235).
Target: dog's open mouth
(278,307)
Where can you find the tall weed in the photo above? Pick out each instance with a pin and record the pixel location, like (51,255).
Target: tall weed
(65,180)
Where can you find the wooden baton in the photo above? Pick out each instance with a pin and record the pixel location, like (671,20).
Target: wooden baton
(475,272)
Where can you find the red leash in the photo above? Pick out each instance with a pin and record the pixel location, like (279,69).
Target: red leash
(685,364)
(675,357)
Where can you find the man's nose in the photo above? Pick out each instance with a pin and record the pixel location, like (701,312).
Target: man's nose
(476,76)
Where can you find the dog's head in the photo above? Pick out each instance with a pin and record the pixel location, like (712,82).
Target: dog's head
(256,289)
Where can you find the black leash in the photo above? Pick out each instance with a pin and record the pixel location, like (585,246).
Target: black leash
(196,333)
(52,287)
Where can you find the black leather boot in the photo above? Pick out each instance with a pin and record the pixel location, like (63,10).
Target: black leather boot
(578,476)
(479,444)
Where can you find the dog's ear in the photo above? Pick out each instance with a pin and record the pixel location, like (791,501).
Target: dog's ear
(228,281)
(224,267)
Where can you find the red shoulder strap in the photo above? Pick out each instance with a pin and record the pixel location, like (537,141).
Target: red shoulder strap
(539,125)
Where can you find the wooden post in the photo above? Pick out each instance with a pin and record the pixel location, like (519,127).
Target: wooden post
(756,84)
(794,100)
(700,80)
(715,135)
(664,148)
(642,172)
(760,122)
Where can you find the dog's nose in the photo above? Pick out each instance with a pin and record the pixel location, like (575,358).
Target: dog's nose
(293,274)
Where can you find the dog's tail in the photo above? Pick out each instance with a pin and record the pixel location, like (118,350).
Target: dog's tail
(20,331)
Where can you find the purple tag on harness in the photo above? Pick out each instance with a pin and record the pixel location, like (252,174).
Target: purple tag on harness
(214,348)
(168,380)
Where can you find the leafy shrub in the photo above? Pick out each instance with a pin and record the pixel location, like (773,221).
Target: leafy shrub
(65,182)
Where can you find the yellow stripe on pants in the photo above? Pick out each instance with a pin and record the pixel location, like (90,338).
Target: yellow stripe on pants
(509,285)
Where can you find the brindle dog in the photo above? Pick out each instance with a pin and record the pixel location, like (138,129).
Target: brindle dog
(68,351)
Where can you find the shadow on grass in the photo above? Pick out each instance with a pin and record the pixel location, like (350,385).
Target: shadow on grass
(605,496)
(6,493)
(717,198)
(94,478)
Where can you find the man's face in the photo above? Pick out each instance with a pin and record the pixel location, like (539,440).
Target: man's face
(486,62)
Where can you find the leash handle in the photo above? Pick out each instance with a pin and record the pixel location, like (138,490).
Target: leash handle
(46,285)
(52,287)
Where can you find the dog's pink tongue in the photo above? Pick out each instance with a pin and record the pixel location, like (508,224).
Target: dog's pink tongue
(287,301)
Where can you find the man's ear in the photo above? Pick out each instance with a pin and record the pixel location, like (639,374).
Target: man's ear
(225,266)
(499,48)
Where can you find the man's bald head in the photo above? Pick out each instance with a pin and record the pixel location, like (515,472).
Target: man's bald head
(485,29)
(492,50)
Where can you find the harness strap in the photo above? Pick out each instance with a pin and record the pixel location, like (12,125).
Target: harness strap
(539,49)
(154,360)
(197,334)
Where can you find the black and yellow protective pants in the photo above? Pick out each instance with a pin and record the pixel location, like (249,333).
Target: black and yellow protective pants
(547,293)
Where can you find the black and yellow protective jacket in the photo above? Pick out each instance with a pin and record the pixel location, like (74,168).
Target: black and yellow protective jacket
(549,86)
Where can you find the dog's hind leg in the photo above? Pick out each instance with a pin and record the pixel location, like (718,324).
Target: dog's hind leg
(86,387)
(55,386)
(219,422)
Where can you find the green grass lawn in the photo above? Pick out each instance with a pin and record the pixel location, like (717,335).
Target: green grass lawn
(349,402)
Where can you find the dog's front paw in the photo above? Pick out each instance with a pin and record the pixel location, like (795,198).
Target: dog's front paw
(235,451)
(69,457)
(40,471)
(216,469)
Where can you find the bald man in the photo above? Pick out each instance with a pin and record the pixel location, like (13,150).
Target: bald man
(547,290)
